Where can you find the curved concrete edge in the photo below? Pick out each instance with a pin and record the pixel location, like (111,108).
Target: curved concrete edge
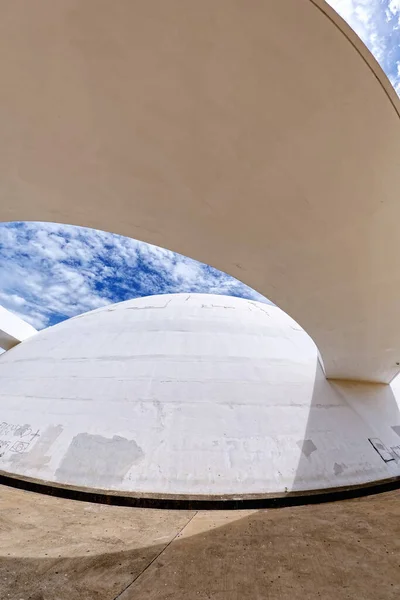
(198,502)
(179,395)
(362,50)
(13,329)
(179,192)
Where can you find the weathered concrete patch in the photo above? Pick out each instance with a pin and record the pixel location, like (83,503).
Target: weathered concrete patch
(396,429)
(22,430)
(339,468)
(307,447)
(97,461)
(39,455)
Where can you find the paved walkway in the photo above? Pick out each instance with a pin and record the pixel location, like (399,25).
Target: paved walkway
(55,549)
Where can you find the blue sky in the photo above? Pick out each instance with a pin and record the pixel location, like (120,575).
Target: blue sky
(377,22)
(51,272)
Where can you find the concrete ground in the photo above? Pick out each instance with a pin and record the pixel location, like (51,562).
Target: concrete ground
(55,549)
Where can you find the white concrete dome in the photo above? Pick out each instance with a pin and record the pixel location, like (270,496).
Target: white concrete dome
(189,395)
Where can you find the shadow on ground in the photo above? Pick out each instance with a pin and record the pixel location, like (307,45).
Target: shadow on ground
(53,549)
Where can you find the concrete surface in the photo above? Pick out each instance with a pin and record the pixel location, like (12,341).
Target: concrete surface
(53,549)
(190,394)
(13,329)
(260,137)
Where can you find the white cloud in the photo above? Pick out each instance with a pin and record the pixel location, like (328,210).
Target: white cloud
(394,6)
(377,24)
(50,272)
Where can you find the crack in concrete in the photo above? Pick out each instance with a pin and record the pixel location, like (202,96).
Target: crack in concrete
(122,592)
(147,307)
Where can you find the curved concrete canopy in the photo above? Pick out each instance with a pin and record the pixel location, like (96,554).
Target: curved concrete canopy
(193,395)
(259,137)
(13,329)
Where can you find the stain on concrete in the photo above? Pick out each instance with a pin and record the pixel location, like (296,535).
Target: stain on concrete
(160,408)
(97,461)
(233,447)
(339,468)
(307,447)
(39,455)
(396,429)
(22,430)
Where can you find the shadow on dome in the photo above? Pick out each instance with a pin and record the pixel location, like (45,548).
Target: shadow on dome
(179,394)
(352,435)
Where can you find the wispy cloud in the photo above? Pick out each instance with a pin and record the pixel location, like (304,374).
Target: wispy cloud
(377,22)
(50,272)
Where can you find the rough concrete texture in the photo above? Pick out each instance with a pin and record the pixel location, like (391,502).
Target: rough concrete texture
(172,121)
(53,549)
(190,394)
